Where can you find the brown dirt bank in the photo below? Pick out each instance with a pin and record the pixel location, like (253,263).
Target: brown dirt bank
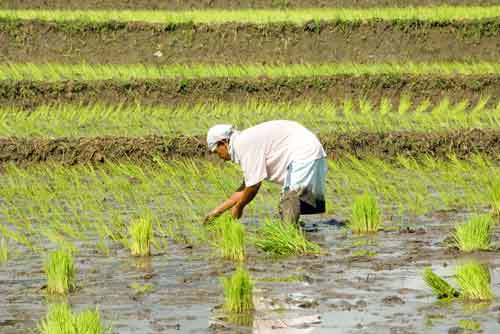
(384,145)
(26,94)
(187,4)
(370,42)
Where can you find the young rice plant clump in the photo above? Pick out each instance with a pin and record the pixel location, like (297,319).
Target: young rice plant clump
(283,239)
(61,320)
(238,292)
(141,233)
(365,215)
(231,238)
(475,234)
(60,270)
(475,281)
(4,251)
(439,286)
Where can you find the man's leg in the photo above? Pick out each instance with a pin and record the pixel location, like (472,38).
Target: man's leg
(290,207)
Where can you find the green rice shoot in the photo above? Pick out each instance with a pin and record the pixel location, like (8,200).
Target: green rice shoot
(61,320)
(475,282)
(441,288)
(238,292)
(230,235)
(141,235)
(475,234)
(366,216)
(469,324)
(284,239)
(4,251)
(61,272)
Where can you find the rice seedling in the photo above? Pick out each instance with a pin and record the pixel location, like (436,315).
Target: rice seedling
(141,235)
(366,216)
(469,324)
(441,288)
(259,16)
(230,238)
(61,320)
(60,269)
(283,239)
(4,251)
(125,73)
(238,292)
(476,234)
(475,282)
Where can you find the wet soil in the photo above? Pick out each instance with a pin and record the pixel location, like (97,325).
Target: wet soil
(27,94)
(189,4)
(461,143)
(369,42)
(383,293)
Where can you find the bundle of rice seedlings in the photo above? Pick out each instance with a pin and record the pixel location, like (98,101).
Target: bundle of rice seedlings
(61,320)
(476,234)
(494,194)
(230,236)
(60,269)
(282,239)
(439,286)
(141,235)
(475,281)
(366,216)
(238,292)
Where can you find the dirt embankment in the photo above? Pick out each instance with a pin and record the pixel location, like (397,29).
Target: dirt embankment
(369,42)
(316,89)
(462,143)
(189,4)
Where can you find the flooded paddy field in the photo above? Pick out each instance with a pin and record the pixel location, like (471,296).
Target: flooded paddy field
(359,284)
(106,180)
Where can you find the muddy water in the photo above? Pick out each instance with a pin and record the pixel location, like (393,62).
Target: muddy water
(334,293)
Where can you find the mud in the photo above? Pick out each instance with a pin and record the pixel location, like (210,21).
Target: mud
(462,143)
(187,292)
(189,4)
(27,94)
(369,42)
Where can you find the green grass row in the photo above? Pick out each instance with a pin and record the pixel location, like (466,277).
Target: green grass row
(89,72)
(53,121)
(259,16)
(88,206)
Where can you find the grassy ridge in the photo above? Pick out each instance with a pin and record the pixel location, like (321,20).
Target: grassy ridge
(350,116)
(259,16)
(93,72)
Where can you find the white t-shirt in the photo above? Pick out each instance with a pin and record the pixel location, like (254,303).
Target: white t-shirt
(265,150)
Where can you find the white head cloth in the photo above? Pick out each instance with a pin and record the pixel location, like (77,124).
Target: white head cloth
(218,133)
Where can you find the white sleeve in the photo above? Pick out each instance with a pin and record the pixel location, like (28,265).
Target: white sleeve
(253,164)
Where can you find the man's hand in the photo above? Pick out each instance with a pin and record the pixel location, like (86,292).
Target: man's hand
(211,216)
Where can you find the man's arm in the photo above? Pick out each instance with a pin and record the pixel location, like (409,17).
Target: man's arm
(246,197)
(227,204)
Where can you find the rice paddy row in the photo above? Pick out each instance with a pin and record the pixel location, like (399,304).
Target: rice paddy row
(260,16)
(349,116)
(72,205)
(95,72)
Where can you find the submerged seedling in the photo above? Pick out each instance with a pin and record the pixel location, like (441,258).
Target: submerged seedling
(230,236)
(60,270)
(238,292)
(476,234)
(470,325)
(4,251)
(475,281)
(283,239)
(61,320)
(365,215)
(441,288)
(141,235)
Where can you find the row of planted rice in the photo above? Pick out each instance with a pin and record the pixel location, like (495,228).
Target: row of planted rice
(106,178)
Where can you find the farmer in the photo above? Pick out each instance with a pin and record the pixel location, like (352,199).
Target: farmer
(280,151)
